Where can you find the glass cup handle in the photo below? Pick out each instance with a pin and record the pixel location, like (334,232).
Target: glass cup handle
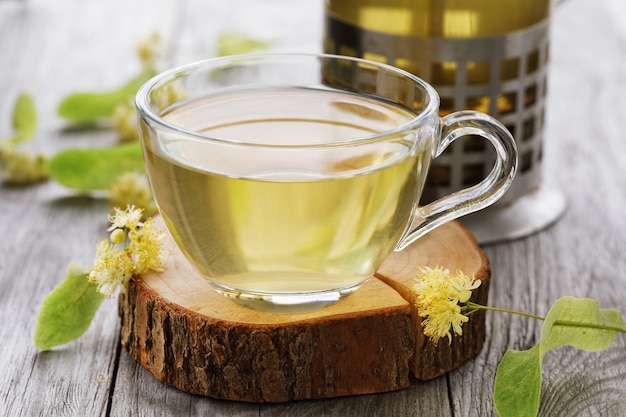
(479,196)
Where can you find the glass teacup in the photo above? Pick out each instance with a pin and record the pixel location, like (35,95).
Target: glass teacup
(287,179)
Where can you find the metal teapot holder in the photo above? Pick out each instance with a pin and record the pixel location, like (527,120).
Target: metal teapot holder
(504,76)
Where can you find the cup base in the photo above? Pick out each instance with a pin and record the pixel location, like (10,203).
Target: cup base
(285,302)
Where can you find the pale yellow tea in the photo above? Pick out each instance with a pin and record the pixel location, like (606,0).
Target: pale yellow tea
(253,211)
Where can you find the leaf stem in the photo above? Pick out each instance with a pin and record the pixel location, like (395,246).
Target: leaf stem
(474,306)
(589,326)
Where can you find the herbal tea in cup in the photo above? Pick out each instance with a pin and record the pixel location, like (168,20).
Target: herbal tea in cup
(286,180)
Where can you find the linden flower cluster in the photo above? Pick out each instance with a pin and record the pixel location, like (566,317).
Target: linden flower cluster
(169,93)
(150,49)
(439,295)
(22,167)
(142,251)
(124,122)
(132,188)
(124,116)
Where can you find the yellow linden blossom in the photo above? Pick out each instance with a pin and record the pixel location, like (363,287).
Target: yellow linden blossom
(169,94)
(114,267)
(22,167)
(124,122)
(132,188)
(150,49)
(146,243)
(125,219)
(439,294)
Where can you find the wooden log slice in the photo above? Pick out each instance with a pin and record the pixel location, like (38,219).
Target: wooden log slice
(176,326)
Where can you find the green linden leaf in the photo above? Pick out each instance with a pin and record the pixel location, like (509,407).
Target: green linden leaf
(89,107)
(24,118)
(95,169)
(234,44)
(598,330)
(68,310)
(517,387)
(570,321)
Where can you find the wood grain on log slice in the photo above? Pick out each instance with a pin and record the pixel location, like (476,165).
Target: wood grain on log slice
(184,333)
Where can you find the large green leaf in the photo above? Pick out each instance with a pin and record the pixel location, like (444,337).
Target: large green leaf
(24,117)
(236,43)
(517,386)
(68,310)
(580,323)
(89,107)
(571,321)
(95,169)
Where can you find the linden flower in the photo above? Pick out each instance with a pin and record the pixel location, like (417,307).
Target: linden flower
(125,219)
(142,251)
(168,94)
(22,167)
(150,49)
(439,294)
(112,269)
(124,122)
(146,245)
(132,189)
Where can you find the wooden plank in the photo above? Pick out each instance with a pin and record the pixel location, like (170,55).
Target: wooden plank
(421,399)
(77,376)
(41,235)
(580,254)
(51,50)
(138,393)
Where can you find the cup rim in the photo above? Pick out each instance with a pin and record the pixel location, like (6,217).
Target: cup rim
(145,111)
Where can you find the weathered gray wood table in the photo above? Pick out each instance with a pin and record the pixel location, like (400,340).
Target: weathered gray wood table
(53,48)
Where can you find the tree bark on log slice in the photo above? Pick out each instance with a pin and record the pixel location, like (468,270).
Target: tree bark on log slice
(176,326)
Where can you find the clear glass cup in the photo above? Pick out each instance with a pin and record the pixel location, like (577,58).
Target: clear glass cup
(286,179)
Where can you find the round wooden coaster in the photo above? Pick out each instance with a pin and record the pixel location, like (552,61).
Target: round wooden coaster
(184,333)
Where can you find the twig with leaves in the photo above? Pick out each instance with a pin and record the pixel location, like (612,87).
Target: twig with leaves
(19,166)
(133,247)
(443,302)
